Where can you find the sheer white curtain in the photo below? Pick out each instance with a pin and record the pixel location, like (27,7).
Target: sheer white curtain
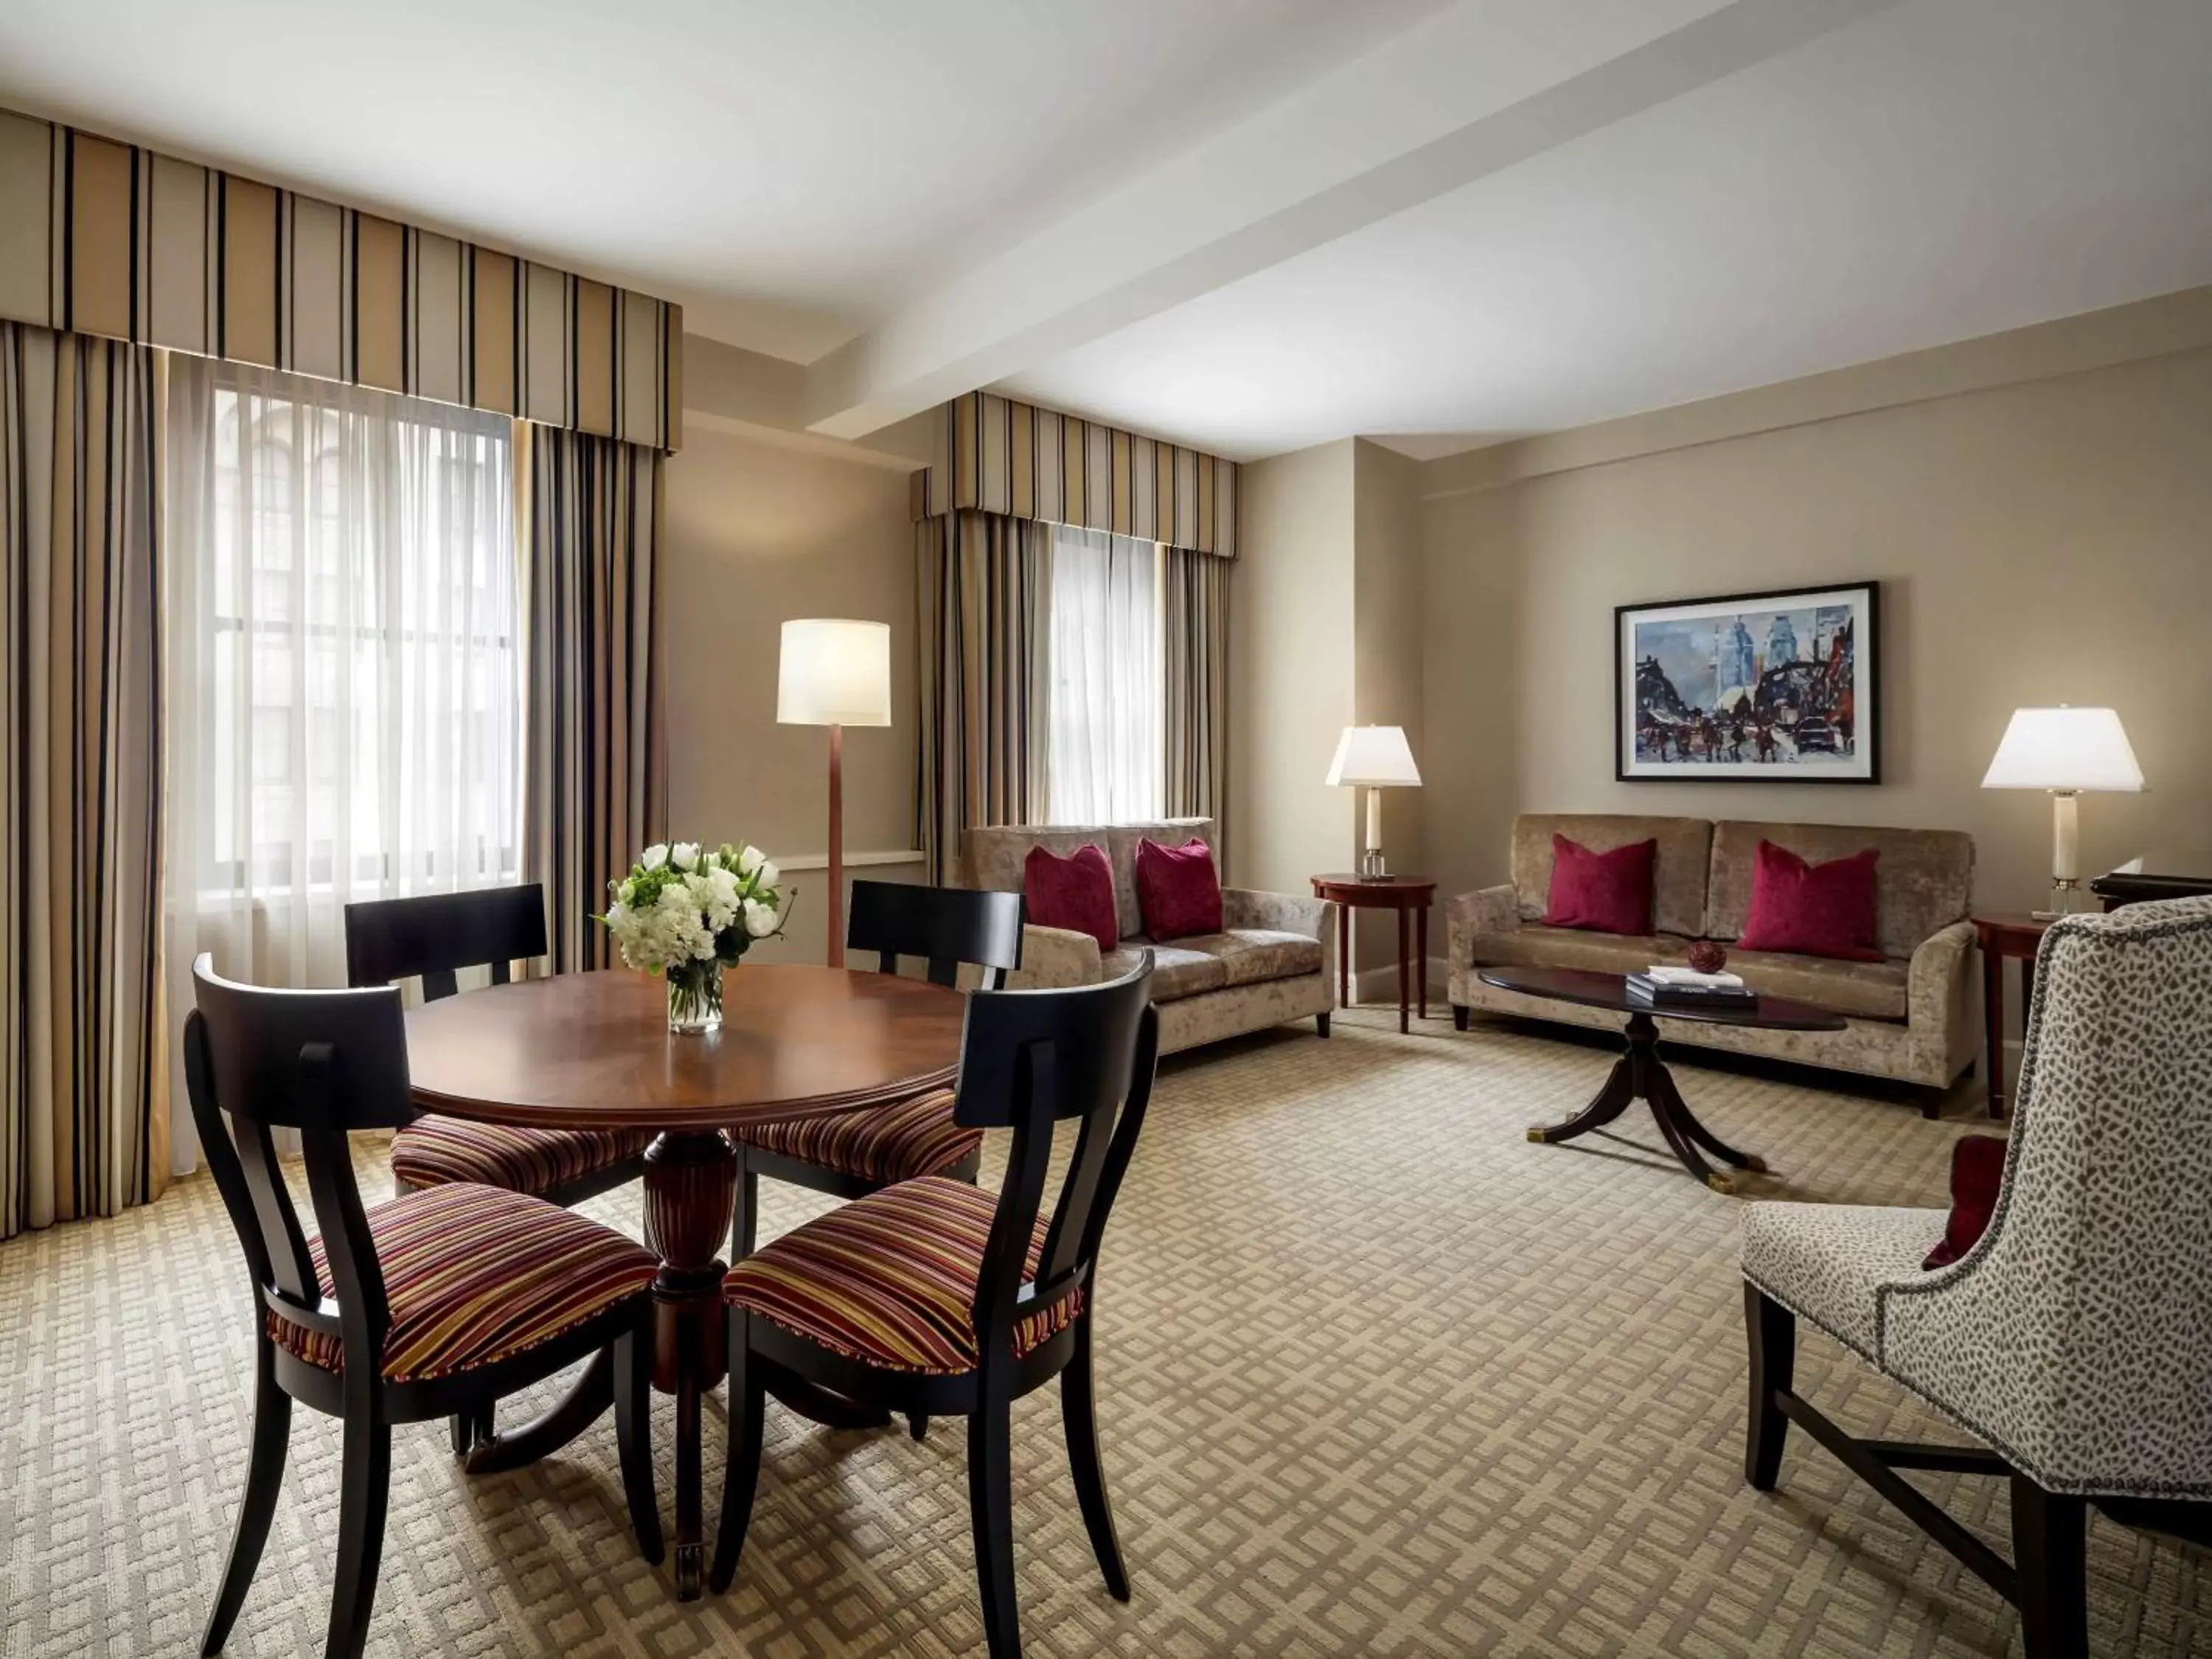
(344,668)
(1105,759)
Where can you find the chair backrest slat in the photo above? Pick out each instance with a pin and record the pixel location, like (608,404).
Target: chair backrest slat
(323,1062)
(945,925)
(1030,1061)
(430,937)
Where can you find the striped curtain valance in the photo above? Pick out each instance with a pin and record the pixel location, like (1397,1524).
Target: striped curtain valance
(993,454)
(108,238)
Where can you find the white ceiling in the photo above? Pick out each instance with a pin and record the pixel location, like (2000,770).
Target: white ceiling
(1949,169)
(791,169)
(1249,224)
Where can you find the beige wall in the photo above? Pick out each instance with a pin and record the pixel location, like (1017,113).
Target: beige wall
(1290,651)
(760,529)
(2047,541)
(1386,663)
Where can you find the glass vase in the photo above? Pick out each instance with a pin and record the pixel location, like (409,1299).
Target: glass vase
(695,998)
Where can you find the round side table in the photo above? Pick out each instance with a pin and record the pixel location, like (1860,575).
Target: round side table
(1410,896)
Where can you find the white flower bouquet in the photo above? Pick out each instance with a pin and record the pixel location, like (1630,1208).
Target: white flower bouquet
(686,913)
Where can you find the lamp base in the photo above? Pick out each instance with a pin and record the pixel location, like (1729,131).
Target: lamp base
(1373,866)
(2064,890)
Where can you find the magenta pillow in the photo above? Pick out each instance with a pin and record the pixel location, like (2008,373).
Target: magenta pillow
(1976,1172)
(1177,890)
(1813,910)
(1075,892)
(1605,892)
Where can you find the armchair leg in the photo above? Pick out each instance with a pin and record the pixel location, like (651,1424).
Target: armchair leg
(1321,1023)
(1462,1015)
(1771,1331)
(2050,1536)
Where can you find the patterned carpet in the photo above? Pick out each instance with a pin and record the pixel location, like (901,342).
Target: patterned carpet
(1378,1376)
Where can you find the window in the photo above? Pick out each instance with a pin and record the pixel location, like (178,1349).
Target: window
(346,675)
(1106,757)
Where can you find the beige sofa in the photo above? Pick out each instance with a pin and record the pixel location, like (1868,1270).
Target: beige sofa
(1274,959)
(1911,1017)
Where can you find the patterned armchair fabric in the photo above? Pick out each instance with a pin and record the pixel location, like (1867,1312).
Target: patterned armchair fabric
(2076,1337)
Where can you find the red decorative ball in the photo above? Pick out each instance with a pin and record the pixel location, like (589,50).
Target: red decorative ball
(1708,958)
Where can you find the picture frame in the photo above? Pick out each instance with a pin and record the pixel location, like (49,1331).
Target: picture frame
(1782,686)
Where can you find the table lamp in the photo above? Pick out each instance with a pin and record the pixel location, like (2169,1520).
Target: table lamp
(836,673)
(1375,758)
(2064,751)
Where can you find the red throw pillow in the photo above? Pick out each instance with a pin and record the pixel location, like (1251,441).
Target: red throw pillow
(1605,892)
(1813,910)
(1075,892)
(1177,890)
(1976,1172)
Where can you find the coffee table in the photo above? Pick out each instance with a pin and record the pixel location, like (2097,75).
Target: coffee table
(1640,1074)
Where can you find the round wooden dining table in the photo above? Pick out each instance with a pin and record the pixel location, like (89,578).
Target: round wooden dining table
(593,1051)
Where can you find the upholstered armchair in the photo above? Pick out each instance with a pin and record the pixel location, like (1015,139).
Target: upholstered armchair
(2075,1338)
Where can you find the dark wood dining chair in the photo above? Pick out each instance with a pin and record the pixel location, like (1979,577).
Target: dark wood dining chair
(856,1153)
(432,1304)
(934,1297)
(432,938)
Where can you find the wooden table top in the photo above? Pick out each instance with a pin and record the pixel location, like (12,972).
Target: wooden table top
(593,1051)
(1378,887)
(1596,990)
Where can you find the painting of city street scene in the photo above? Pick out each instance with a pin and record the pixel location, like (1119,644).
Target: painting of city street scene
(1778,688)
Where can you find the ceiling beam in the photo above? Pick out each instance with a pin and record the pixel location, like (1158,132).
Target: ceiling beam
(1466,94)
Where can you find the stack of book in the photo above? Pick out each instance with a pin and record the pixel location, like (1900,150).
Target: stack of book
(1686,987)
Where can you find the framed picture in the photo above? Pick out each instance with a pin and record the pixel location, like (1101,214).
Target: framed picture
(1767,687)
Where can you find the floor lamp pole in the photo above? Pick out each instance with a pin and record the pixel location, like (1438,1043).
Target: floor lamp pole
(836,921)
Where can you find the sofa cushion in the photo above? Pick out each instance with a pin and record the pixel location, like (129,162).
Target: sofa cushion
(1177,970)
(1977,1173)
(1074,892)
(1604,892)
(993,854)
(1815,909)
(1249,955)
(1857,990)
(1572,947)
(1178,888)
(1679,867)
(1925,875)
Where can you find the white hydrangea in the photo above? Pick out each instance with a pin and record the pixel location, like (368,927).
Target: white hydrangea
(687,903)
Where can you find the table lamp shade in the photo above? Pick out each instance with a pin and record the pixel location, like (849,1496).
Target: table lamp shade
(833,671)
(1376,756)
(2066,748)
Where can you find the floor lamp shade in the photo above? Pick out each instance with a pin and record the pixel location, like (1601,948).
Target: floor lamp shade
(835,673)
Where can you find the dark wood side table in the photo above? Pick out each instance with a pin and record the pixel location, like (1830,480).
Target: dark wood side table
(1410,896)
(2004,935)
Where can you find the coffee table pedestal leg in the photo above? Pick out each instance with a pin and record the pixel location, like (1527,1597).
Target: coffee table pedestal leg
(690,1195)
(1640,1074)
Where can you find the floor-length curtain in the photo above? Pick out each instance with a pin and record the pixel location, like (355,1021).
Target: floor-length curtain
(1194,668)
(984,661)
(596,790)
(84,1119)
(344,625)
(1104,756)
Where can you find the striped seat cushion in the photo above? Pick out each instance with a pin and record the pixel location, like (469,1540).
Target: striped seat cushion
(435,1150)
(883,1144)
(474,1275)
(888,1279)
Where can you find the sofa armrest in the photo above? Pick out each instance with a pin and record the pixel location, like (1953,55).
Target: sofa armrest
(1939,996)
(1487,910)
(1054,958)
(1280,912)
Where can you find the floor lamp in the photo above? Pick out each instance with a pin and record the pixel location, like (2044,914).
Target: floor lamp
(836,673)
